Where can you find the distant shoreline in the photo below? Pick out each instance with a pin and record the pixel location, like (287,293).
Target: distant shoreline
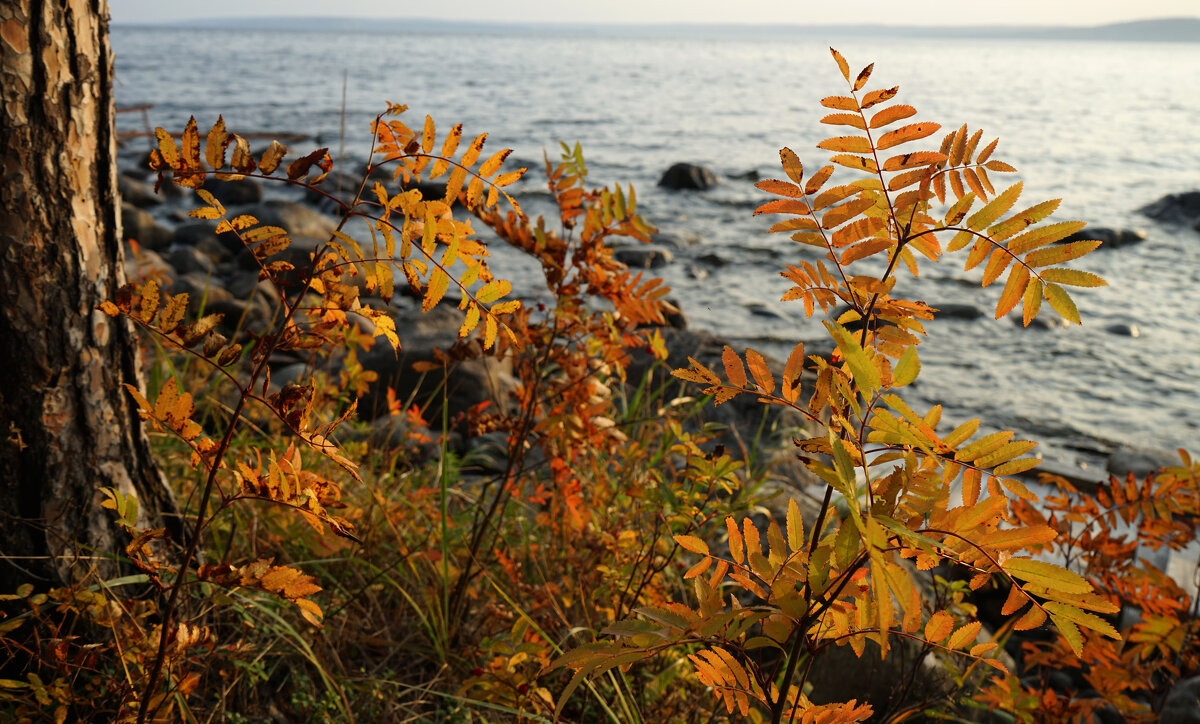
(1175,30)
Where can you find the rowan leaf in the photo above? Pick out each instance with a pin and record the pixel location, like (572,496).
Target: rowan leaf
(1062,303)
(692,543)
(940,625)
(734,371)
(791,164)
(892,114)
(904,134)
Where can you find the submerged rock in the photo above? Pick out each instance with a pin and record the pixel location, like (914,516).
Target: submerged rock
(1183,208)
(688,176)
(646,256)
(1109,238)
(1139,461)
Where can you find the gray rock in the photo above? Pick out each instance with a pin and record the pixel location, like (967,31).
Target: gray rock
(139,225)
(243,315)
(341,186)
(673,241)
(201,289)
(469,381)
(688,176)
(137,193)
(713,259)
(647,256)
(234,193)
(1085,479)
(1139,461)
(957,311)
(296,219)
(1110,238)
(145,264)
(187,259)
(1124,330)
(1182,705)
(1181,208)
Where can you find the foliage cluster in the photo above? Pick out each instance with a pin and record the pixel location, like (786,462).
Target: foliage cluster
(605,562)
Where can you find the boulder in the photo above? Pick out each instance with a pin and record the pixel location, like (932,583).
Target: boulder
(645,256)
(341,186)
(1109,238)
(297,219)
(1182,705)
(957,311)
(1139,461)
(468,382)
(201,289)
(187,259)
(688,176)
(137,193)
(139,225)
(144,265)
(1181,208)
(234,193)
(713,259)
(1124,330)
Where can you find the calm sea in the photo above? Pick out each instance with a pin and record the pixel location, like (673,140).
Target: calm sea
(1107,127)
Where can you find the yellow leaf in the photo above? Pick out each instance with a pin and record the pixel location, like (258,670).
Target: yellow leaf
(1062,303)
(492,165)
(692,543)
(214,148)
(1049,575)
(907,368)
(439,282)
(1059,254)
(995,208)
(427,135)
(1018,278)
(964,636)
(736,550)
(1073,277)
(1032,301)
(472,153)
(795,526)
(1032,619)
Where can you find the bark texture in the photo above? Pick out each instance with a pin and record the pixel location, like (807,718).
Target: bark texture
(67,427)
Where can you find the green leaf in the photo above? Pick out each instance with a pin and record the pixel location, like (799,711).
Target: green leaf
(907,368)
(861,366)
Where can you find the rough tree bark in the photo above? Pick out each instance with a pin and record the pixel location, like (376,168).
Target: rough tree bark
(67,427)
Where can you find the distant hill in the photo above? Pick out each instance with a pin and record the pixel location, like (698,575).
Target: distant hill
(1159,30)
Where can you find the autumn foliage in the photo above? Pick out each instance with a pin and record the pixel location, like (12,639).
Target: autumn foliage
(609,560)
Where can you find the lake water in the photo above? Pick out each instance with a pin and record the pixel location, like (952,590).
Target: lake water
(1108,127)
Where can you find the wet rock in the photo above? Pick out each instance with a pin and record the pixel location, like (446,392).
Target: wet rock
(202,290)
(1110,238)
(713,259)
(242,315)
(1045,320)
(758,309)
(137,193)
(673,241)
(674,315)
(297,219)
(688,176)
(1139,461)
(234,193)
(469,382)
(186,259)
(1183,208)
(697,272)
(647,256)
(1182,705)
(339,185)
(1124,330)
(139,225)
(957,311)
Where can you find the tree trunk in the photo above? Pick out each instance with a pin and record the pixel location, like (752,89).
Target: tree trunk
(67,427)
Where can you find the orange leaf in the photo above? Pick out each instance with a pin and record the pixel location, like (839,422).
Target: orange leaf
(892,114)
(734,371)
(907,133)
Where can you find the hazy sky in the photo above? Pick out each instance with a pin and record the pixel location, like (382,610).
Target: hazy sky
(892,12)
